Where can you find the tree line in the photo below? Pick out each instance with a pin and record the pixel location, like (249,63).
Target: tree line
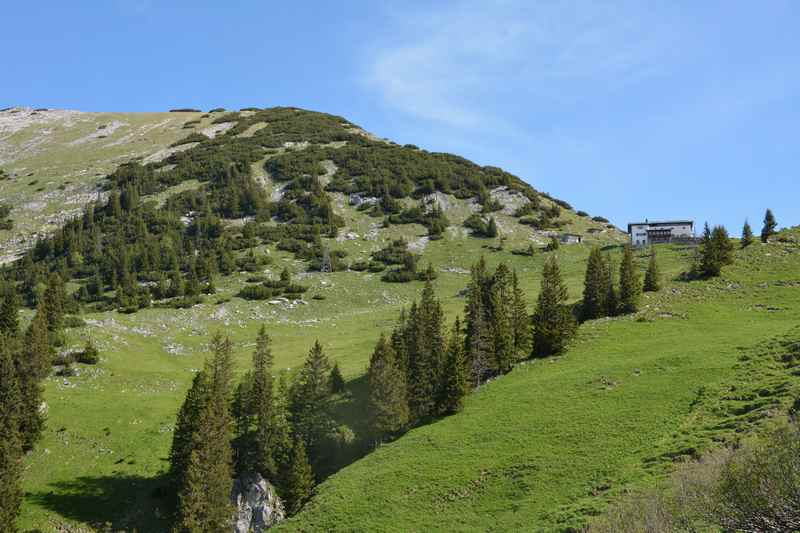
(26,356)
(278,428)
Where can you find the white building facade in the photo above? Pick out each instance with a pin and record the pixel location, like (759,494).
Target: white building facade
(646,233)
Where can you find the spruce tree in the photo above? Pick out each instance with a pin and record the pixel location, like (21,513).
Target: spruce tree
(652,278)
(716,251)
(491,228)
(262,405)
(33,364)
(299,479)
(747,235)
(478,343)
(337,380)
(723,245)
(54,299)
(595,290)
(425,358)
(455,373)
(612,297)
(770,225)
(204,496)
(281,434)
(310,400)
(388,404)
(708,262)
(553,323)
(398,342)
(10,439)
(521,321)
(502,301)
(9,310)
(630,286)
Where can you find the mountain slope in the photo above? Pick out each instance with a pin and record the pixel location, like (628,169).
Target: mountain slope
(543,448)
(55,159)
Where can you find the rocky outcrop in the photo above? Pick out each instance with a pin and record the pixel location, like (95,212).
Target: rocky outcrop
(258,506)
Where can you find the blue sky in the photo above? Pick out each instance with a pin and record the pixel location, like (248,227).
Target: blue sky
(625,109)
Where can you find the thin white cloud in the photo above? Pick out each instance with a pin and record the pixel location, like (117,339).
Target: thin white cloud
(454,64)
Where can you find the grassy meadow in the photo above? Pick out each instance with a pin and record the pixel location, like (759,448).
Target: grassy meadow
(541,449)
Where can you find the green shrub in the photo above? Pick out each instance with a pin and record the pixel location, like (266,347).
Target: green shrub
(399,276)
(71,321)
(194,137)
(258,292)
(89,355)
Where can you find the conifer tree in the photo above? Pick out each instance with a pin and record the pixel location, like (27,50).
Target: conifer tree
(398,342)
(455,373)
(204,497)
(770,225)
(281,437)
(425,359)
(553,323)
(595,290)
(32,366)
(612,298)
(10,439)
(186,426)
(262,405)
(254,412)
(502,299)
(747,235)
(54,299)
(708,261)
(9,310)
(723,245)
(630,285)
(337,380)
(478,343)
(299,479)
(716,251)
(521,321)
(491,228)
(388,404)
(652,278)
(310,398)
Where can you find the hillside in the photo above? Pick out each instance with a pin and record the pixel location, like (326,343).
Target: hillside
(55,160)
(227,201)
(545,447)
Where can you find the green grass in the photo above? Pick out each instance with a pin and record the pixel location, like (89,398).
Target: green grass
(139,384)
(545,446)
(67,157)
(542,448)
(108,434)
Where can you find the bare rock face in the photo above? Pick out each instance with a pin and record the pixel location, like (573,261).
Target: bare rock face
(258,506)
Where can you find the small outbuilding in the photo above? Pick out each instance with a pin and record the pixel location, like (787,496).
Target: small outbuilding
(571,238)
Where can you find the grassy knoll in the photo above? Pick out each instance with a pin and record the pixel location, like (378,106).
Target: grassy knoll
(546,446)
(109,429)
(115,420)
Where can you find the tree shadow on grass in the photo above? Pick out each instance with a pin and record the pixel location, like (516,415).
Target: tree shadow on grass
(122,502)
(349,409)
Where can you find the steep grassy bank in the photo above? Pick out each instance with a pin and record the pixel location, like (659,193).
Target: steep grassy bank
(544,447)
